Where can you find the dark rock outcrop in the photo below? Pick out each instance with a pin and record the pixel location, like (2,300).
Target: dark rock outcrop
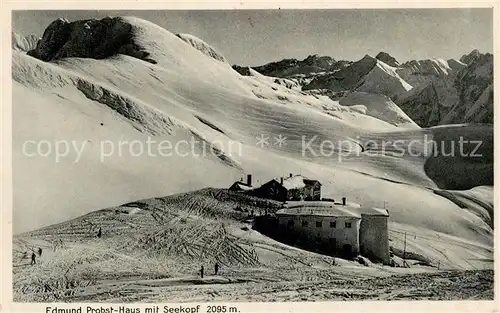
(323,62)
(424,108)
(97,39)
(473,84)
(471,57)
(243,70)
(387,59)
(463,95)
(347,78)
(289,67)
(277,68)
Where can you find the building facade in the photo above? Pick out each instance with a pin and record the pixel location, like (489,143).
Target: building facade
(312,190)
(374,235)
(271,190)
(343,229)
(333,228)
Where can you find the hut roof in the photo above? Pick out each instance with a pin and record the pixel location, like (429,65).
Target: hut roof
(326,208)
(319,210)
(294,182)
(241,186)
(374,211)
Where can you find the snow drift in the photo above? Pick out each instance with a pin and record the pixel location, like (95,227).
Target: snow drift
(380,107)
(24,43)
(202,46)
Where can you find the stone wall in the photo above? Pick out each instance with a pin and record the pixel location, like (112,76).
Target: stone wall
(374,237)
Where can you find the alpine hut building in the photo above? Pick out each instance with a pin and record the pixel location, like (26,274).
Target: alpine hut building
(292,188)
(344,228)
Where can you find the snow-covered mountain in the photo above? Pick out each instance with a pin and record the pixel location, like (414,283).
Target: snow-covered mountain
(450,92)
(24,43)
(289,67)
(431,92)
(105,86)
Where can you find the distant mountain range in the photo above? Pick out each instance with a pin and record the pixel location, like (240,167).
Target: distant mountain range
(432,91)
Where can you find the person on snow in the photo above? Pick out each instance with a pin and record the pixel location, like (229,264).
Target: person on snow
(33,258)
(40,251)
(99,233)
(201,271)
(216,268)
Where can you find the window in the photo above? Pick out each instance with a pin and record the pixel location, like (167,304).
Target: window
(348,225)
(333,224)
(304,223)
(318,224)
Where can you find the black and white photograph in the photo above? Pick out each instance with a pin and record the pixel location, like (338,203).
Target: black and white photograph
(273,155)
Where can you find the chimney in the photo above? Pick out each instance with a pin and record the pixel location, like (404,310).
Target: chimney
(249,179)
(281,180)
(291,174)
(343,200)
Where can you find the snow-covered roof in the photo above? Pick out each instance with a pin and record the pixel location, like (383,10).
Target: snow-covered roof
(374,211)
(324,204)
(242,186)
(295,182)
(327,208)
(333,210)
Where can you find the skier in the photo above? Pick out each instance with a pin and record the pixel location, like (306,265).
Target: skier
(40,251)
(99,233)
(216,268)
(33,258)
(201,271)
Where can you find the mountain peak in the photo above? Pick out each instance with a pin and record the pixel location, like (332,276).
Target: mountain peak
(387,59)
(471,57)
(319,61)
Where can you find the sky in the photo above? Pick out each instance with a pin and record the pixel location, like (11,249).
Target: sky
(256,37)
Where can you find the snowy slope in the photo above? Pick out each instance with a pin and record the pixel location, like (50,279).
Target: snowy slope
(379,106)
(187,94)
(23,43)
(383,79)
(202,46)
